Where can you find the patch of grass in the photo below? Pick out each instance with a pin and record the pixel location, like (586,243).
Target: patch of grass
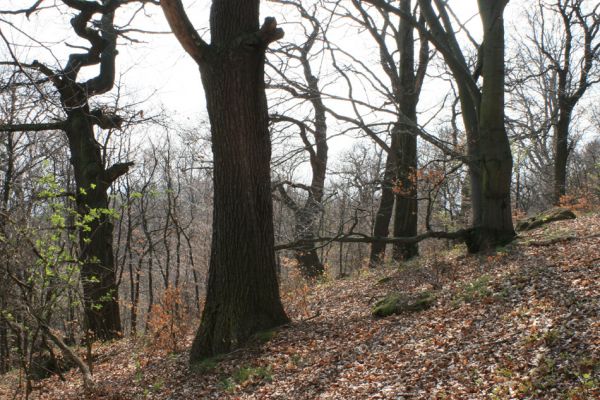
(472,291)
(227,384)
(505,372)
(139,373)
(588,386)
(413,264)
(156,386)
(245,374)
(265,336)
(205,365)
(296,359)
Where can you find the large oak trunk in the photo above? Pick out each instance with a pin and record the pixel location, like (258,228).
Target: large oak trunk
(243,294)
(492,168)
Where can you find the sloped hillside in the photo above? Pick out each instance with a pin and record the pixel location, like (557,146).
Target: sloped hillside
(523,323)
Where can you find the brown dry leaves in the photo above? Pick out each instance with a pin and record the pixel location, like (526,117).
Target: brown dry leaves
(521,324)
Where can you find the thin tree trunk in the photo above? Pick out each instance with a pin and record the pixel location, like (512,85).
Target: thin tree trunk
(406,207)
(381,226)
(561,153)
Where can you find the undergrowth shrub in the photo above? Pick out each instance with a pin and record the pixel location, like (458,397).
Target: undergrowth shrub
(169,322)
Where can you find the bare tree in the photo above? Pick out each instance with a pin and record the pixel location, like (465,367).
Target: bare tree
(488,147)
(312,131)
(566,33)
(394,38)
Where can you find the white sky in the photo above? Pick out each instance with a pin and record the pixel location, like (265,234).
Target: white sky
(157,67)
(159,70)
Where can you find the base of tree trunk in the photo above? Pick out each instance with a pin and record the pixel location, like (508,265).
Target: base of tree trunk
(309,263)
(221,331)
(484,239)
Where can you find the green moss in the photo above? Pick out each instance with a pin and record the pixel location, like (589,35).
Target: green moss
(246,373)
(398,303)
(554,214)
(384,280)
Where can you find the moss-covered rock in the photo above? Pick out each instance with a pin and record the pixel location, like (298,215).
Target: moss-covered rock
(384,280)
(545,217)
(398,303)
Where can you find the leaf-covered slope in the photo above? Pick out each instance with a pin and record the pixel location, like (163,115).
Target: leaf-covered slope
(522,323)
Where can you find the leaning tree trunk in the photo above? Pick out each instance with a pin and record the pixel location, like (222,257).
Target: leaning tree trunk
(381,227)
(242,294)
(493,166)
(92,180)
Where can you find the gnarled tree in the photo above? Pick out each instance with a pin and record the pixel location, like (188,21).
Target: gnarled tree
(93,22)
(312,132)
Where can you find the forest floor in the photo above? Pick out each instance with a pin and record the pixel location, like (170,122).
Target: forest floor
(522,323)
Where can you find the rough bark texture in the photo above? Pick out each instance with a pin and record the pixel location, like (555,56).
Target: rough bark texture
(493,215)
(406,208)
(307,217)
(488,148)
(242,293)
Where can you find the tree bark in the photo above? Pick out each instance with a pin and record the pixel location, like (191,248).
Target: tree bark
(243,294)
(406,207)
(493,216)
(381,226)
(561,151)
(399,189)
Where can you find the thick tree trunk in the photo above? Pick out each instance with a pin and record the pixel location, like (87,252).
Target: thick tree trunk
(98,278)
(493,167)
(243,293)
(406,207)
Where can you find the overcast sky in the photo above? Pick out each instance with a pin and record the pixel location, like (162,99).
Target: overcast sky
(156,68)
